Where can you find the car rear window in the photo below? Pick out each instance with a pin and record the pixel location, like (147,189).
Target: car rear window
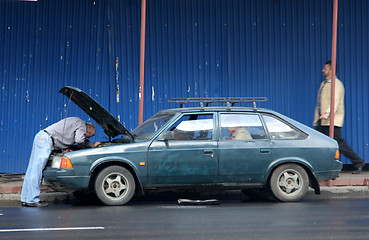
(280,130)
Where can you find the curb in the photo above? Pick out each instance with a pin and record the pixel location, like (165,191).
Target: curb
(10,189)
(347,182)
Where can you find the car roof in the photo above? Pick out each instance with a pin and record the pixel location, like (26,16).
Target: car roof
(294,123)
(218,109)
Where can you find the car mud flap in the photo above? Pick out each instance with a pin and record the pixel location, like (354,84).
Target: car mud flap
(314,183)
(198,202)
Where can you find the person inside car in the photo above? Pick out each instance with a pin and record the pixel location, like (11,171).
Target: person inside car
(239,133)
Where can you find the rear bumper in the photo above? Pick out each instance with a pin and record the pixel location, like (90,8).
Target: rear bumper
(332,174)
(337,169)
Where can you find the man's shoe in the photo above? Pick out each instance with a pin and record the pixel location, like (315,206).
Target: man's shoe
(38,204)
(358,170)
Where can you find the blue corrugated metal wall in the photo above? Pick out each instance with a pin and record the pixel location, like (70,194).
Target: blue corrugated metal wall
(194,48)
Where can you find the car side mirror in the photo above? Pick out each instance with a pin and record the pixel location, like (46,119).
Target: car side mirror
(169,135)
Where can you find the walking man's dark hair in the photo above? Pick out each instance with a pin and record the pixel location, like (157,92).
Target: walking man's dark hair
(329,62)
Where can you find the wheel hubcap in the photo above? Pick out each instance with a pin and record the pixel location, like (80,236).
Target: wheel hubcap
(114,185)
(289,181)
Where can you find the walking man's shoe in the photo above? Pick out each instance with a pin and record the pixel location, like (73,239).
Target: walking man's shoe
(359,169)
(38,204)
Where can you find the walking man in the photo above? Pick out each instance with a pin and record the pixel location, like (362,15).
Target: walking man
(322,115)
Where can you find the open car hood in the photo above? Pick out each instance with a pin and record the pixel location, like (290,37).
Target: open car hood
(112,127)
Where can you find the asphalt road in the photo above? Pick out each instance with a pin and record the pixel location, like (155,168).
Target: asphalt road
(232,219)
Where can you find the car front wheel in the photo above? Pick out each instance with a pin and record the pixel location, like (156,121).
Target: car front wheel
(114,185)
(289,182)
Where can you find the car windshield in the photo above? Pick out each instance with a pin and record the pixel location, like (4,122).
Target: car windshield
(146,130)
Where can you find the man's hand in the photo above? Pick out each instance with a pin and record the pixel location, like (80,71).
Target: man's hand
(96,144)
(324,116)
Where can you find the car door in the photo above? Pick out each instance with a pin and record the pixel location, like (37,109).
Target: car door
(190,157)
(288,141)
(244,148)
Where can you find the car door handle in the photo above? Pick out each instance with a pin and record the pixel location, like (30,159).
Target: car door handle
(265,150)
(209,151)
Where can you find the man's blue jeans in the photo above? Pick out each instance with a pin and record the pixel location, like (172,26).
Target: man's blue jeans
(41,150)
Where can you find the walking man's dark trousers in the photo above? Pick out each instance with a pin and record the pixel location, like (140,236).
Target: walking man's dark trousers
(344,148)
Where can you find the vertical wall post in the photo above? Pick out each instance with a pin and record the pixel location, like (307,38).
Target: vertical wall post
(142,61)
(333,78)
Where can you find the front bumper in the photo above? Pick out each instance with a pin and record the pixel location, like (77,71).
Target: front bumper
(64,179)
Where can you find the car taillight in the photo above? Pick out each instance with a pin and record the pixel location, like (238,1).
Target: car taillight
(66,163)
(337,156)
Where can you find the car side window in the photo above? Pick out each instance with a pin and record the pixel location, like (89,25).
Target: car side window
(241,127)
(279,130)
(193,127)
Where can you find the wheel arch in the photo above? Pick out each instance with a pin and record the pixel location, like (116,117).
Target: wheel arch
(97,168)
(313,182)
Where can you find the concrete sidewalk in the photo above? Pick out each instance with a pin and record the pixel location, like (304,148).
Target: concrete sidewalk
(11,186)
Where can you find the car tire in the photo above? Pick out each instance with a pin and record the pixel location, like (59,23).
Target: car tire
(289,182)
(114,186)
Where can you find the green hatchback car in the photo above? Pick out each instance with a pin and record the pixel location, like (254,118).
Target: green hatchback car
(199,148)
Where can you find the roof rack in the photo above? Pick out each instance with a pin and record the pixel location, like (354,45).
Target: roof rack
(230,101)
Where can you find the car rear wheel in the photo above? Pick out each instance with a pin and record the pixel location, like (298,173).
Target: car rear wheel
(289,182)
(114,185)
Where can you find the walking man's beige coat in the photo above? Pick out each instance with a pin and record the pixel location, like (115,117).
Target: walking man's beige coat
(325,103)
